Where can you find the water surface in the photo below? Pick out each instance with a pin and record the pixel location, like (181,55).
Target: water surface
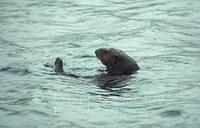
(161,35)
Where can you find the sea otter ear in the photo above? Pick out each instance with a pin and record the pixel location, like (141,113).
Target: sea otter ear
(113,52)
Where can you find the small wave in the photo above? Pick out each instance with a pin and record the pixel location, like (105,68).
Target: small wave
(37,112)
(107,81)
(170,113)
(21,72)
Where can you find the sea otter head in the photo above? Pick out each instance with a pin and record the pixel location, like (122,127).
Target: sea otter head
(116,61)
(108,56)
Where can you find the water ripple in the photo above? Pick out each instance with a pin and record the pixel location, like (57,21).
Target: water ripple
(162,36)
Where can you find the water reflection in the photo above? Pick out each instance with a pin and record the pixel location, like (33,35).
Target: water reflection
(114,85)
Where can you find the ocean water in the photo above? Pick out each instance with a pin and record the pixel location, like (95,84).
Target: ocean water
(161,35)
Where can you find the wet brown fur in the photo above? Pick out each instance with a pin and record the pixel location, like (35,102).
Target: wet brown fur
(116,61)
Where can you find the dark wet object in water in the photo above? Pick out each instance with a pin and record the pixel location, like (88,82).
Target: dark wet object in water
(59,68)
(116,61)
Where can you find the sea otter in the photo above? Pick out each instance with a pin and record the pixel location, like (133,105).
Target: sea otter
(116,61)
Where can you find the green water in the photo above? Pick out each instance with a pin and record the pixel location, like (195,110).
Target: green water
(161,35)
